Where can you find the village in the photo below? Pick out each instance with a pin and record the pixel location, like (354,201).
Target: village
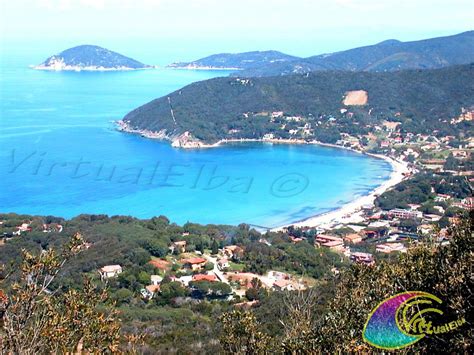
(388,225)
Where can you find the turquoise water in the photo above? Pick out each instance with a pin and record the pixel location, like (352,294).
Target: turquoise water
(61,155)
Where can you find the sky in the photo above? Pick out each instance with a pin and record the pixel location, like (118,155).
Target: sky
(188,29)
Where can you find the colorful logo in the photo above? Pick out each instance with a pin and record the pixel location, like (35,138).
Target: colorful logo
(404,319)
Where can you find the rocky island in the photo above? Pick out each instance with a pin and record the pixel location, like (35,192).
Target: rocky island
(90,58)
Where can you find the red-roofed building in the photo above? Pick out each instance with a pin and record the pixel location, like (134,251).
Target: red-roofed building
(149,291)
(204,277)
(194,263)
(353,238)
(160,264)
(330,241)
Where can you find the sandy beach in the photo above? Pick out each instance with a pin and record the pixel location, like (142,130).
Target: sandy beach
(350,212)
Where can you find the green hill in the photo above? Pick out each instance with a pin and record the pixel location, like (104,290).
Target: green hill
(389,55)
(238,108)
(88,57)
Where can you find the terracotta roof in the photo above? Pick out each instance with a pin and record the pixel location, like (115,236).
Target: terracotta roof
(194,261)
(160,264)
(202,277)
(153,288)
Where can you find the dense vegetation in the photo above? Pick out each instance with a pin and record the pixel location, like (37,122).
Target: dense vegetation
(213,108)
(422,188)
(328,318)
(87,55)
(444,271)
(389,55)
(180,318)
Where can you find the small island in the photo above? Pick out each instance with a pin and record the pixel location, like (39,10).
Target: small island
(90,58)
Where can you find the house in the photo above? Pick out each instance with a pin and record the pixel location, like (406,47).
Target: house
(179,246)
(278,275)
(149,291)
(353,238)
(233,251)
(205,277)
(194,264)
(24,227)
(405,214)
(384,144)
(156,279)
(296,240)
(110,271)
(160,264)
(283,285)
(52,227)
(330,241)
(425,228)
(362,258)
(431,217)
(244,279)
(223,264)
(442,197)
(388,248)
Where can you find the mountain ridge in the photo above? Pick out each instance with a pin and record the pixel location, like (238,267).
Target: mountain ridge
(388,55)
(235,61)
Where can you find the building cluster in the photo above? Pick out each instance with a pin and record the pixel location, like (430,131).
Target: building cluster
(189,268)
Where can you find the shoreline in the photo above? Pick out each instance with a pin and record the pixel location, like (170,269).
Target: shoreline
(342,214)
(88,69)
(349,211)
(202,68)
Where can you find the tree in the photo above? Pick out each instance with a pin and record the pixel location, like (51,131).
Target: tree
(241,334)
(445,271)
(214,247)
(39,320)
(451,163)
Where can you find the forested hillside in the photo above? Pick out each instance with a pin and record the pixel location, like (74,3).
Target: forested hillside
(423,100)
(390,55)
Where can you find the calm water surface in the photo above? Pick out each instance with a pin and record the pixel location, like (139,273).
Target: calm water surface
(61,155)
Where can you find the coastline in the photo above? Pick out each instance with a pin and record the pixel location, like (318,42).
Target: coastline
(347,213)
(90,68)
(188,67)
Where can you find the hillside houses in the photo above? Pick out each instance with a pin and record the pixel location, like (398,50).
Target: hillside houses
(110,271)
(194,264)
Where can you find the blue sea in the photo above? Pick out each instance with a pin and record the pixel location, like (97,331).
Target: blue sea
(62,155)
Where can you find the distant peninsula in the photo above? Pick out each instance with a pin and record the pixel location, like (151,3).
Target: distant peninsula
(386,56)
(90,58)
(235,61)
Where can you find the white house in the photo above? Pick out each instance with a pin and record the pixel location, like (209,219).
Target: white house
(110,271)
(156,279)
(223,264)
